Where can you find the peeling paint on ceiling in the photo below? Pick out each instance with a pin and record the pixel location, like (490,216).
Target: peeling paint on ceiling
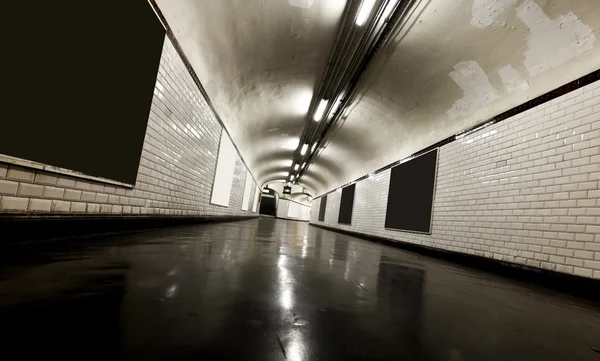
(305,4)
(512,79)
(552,42)
(477,88)
(486,11)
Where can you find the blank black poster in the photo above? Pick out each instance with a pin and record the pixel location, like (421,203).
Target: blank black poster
(79,79)
(410,197)
(322,208)
(346,205)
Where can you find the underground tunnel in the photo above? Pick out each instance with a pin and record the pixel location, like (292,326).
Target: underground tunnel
(301,180)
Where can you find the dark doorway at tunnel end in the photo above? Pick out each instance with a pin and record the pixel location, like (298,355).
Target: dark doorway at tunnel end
(268,202)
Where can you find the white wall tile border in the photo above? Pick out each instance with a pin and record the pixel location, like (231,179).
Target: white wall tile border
(57,170)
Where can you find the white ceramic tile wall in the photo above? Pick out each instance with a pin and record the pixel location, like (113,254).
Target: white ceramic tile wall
(176,169)
(524,190)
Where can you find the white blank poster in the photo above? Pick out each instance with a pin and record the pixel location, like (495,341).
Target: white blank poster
(247,190)
(282,208)
(256,196)
(305,213)
(293,210)
(224,174)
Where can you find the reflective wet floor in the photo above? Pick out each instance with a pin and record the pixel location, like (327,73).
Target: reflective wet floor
(270,289)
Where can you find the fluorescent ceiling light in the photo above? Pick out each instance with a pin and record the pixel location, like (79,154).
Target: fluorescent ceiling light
(291,177)
(335,108)
(296,166)
(365,10)
(303,164)
(290,143)
(320,110)
(314,147)
(303,150)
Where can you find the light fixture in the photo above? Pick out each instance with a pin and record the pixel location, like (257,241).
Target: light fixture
(290,143)
(303,165)
(303,150)
(365,10)
(335,108)
(296,166)
(314,147)
(320,110)
(291,178)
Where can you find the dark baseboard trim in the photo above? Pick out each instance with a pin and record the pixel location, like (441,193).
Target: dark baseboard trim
(574,285)
(293,220)
(19,228)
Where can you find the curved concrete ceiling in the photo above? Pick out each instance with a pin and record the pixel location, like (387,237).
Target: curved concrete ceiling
(298,194)
(451,65)
(260,63)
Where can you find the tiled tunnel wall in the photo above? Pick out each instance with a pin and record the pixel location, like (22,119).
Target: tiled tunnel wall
(524,190)
(176,170)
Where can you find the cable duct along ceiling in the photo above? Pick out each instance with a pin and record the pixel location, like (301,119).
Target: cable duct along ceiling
(353,53)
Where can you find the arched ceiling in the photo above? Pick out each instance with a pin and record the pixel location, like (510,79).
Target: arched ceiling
(451,65)
(298,194)
(260,62)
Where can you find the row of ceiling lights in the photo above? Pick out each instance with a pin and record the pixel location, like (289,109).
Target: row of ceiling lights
(363,14)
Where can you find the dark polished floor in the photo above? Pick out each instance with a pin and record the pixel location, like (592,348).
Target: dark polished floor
(274,290)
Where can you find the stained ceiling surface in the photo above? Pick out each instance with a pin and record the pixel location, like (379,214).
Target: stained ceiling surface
(449,65)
